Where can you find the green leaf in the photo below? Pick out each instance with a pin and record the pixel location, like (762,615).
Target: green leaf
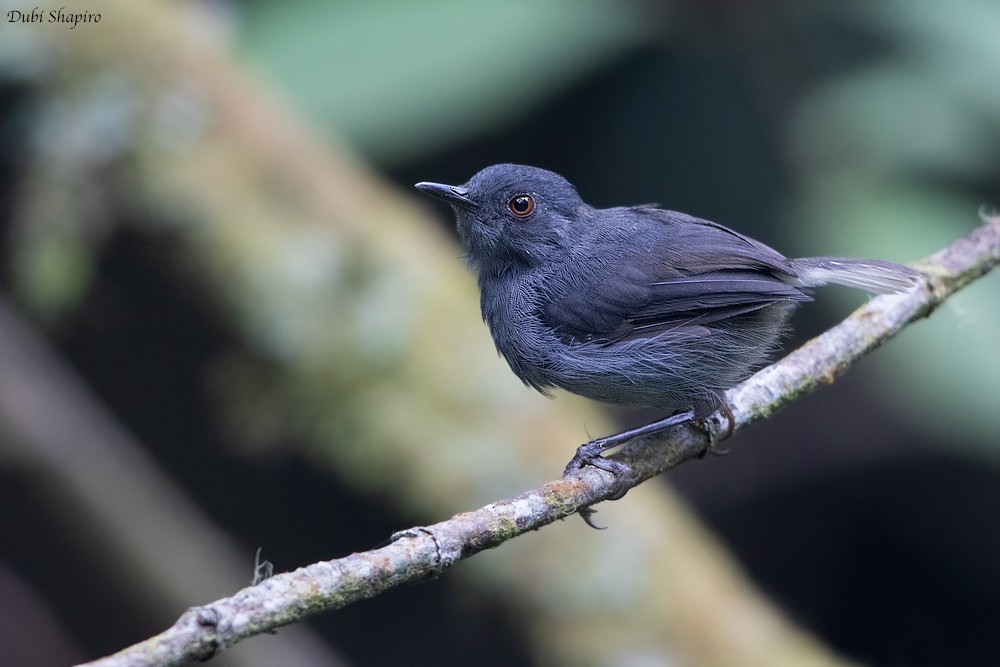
(398,77)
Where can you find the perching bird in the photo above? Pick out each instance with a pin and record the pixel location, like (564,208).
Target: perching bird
(637,305)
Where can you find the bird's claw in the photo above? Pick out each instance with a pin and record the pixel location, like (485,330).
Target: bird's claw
(713,441)
(589,454)
(587,514)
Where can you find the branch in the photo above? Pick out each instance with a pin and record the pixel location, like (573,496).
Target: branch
(85,465)
(423,552)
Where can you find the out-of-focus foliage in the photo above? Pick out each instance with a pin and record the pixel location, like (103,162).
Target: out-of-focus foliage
(398,78)
(879,151)
(62,215)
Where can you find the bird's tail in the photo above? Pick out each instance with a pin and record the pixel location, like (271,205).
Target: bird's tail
(871,275)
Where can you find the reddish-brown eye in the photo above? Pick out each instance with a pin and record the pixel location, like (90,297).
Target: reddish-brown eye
(521,205)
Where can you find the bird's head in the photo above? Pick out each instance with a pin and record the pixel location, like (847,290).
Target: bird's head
(510,215)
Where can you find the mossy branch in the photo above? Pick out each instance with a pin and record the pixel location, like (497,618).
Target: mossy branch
(427,551)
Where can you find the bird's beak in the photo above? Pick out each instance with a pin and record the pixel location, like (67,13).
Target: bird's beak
(453,194)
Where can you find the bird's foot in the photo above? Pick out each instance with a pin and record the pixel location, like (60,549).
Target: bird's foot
(624,477)
(589,454)
(713,441)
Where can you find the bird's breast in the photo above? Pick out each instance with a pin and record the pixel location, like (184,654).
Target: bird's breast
(511,307)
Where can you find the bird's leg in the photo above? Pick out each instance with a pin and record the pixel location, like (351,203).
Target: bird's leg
(590,453)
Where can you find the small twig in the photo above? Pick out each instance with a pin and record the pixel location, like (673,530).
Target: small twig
(261,570)
(425,552)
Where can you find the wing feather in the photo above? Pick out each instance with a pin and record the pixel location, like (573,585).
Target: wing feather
(695,274)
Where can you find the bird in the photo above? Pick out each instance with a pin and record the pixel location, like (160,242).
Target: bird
(631,305)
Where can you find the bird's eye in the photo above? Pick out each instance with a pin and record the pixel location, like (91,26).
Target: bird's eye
(521,205)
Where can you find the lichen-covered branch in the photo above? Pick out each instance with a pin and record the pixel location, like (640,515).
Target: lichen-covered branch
(427,551)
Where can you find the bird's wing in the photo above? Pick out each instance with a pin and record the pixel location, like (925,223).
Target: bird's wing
(693,274)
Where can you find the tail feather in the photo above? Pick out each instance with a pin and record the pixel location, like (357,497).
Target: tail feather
(871,275)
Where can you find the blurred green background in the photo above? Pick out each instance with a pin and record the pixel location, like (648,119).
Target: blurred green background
(227,321)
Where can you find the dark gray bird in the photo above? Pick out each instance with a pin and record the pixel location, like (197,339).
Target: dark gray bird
(632,305)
